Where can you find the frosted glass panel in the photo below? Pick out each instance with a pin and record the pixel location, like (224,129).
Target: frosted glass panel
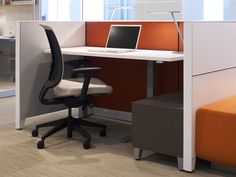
(209,10)
(93,10)
(65,10)
(213,10)
(108,10)
(157,9)
(61,10)
(119,10)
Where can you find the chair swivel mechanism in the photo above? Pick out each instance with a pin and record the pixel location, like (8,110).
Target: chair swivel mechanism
(72,94)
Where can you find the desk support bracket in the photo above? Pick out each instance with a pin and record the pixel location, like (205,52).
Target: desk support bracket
(151,78)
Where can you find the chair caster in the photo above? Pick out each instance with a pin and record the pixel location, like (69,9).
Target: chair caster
(35,132)
(86,144)
(103,132)
(40,144)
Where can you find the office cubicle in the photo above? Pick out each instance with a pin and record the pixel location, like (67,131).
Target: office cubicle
(124,75)
(203,64)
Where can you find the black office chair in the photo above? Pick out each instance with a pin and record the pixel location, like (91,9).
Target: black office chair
(70,93)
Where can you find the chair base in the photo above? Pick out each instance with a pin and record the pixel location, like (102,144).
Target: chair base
(71,124)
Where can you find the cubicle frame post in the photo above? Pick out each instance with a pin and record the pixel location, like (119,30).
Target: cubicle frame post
(19,123)
(189,156)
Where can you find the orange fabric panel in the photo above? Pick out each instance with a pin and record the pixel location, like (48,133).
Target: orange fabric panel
(216,132)
(128,80)
(180,75)
(154,35)
(167,78)
(129,77)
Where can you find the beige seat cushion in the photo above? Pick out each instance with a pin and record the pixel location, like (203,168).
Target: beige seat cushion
(73,88)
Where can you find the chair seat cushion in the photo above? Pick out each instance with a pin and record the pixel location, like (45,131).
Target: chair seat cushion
(74,87)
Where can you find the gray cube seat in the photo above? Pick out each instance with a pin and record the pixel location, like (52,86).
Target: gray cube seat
(158,125)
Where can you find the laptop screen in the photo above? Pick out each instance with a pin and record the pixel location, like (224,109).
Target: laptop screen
(123,36)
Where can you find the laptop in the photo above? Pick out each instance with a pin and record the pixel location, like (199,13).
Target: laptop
(121,38)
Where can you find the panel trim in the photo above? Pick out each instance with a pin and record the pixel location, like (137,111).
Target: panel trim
(112,114)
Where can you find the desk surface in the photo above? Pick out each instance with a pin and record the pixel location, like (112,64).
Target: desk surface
(148,55)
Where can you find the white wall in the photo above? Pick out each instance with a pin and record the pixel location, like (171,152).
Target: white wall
(9,14)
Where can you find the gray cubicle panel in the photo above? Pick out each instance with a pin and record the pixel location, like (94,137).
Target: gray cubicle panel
(33,65)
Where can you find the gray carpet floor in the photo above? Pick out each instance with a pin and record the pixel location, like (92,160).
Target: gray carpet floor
(19,156)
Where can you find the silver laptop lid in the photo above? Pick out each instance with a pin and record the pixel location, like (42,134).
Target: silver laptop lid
(123,36)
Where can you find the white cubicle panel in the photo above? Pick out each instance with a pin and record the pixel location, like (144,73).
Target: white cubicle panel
(33,65)
(213,61)
(209,73)
(208,88)
(210,41)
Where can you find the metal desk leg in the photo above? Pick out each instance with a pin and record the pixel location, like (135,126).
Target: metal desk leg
(151,86)
(151,78)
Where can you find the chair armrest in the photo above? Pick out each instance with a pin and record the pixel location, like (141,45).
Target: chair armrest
(87,70)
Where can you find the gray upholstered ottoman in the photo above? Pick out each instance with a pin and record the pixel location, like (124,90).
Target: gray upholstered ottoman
(158,125)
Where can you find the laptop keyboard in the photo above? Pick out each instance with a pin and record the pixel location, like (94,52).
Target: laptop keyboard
(110,50)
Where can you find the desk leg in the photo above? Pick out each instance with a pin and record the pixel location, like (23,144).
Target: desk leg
(151,78)
(151,86)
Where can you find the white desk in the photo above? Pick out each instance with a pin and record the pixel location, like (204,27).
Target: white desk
(152,56)
(148,55)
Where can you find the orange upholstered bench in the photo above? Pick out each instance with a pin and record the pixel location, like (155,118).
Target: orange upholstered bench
(216,132)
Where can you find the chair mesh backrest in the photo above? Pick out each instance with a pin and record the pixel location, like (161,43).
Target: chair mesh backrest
(57,65)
